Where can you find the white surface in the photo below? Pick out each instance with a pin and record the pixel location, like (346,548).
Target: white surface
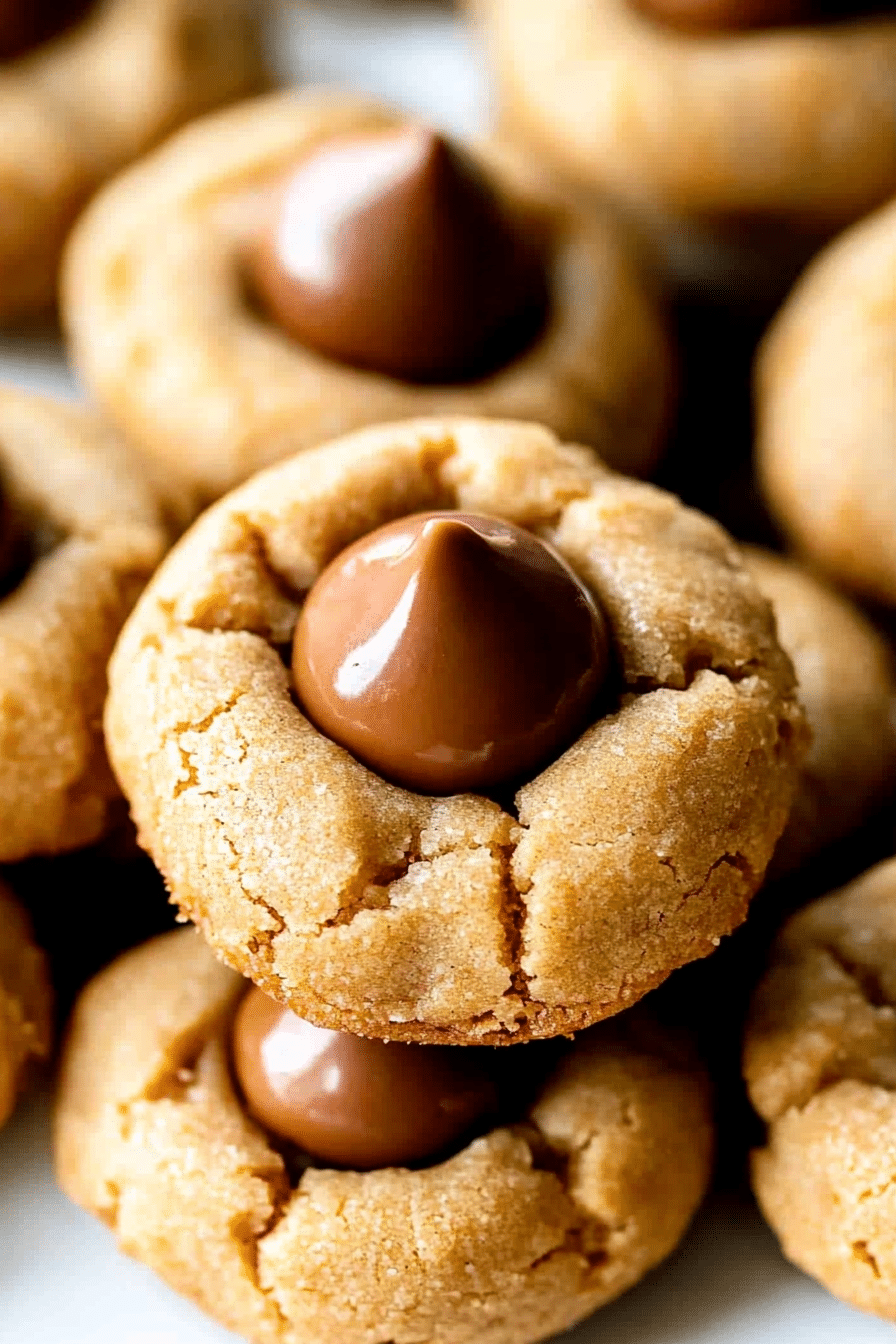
(61,1279)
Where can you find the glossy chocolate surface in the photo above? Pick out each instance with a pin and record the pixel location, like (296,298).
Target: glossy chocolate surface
(450,652)
(390,251)
(26,23)
(352,1102)
(721,16)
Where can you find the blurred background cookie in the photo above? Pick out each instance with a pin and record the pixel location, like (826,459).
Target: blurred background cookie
(330,264)
(738,134)
(26,1001)
(87,87)
(826,410)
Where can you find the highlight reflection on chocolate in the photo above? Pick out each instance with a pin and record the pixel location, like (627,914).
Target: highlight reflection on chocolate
(390,251)
(25,23)
(353,1102)
(449,652)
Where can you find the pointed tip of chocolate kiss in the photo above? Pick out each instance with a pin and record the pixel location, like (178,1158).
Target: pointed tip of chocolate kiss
(450,652)
(391,251)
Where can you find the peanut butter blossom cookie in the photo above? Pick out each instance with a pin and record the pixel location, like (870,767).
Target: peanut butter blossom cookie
(820,1062)
(276,1173)
(733,129)
(826,407)
(71,117)
(25,1002)
(445,732)
(328,265)
(845,673)
(80,533)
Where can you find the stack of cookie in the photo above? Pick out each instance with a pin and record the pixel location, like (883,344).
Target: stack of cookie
(451,737)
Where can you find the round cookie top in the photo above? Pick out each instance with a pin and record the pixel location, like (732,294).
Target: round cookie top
(826,410)
(622,101)
(367,907)
(25,1001)
(522,1232)
(360,269)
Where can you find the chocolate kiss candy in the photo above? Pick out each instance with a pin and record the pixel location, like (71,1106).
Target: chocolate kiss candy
(449,652)
(390,251)
(722,16)
(353,1102)
(25,23)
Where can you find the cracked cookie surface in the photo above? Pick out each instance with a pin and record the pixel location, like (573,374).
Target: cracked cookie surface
(820,1063)
(371,909)
(25,1001)
(826,410)
(844,669)
(98,537)
(71,117)
(522,1233)
(172,347)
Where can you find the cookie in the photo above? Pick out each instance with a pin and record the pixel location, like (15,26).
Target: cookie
(371,908)
(820,1063)
(25,1001)
(174,343)
(72,118)
(84,533)
(526,1230)
(737,150)
(844,670)
(826,409)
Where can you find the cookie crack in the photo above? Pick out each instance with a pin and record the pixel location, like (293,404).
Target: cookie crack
(190,777)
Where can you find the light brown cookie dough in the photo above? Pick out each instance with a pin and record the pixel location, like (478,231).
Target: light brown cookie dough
(369,908)
(25,1001)
(727,146)
(844,671)
(170,345)
(98,536)
(820,1062)
(73,115)
(826,409)
(521,1234)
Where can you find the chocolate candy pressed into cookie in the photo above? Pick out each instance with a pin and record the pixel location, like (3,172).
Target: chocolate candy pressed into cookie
(629,842)
(328,265)
(554,1209)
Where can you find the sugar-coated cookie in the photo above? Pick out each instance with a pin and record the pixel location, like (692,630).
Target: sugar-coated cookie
(844,670)
(523,1232)
(176,347)
(371,908)
(826,408)
(83,532)
(737,149)
(820,1063)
